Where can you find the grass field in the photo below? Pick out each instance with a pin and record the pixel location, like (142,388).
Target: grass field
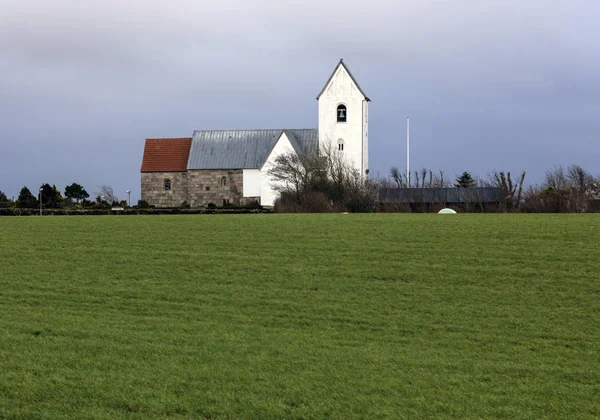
(300,316)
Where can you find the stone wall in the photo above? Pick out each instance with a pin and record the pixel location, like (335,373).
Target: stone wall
(206,186)
(153,189)
(198,188)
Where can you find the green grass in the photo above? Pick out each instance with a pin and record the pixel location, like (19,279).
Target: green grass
(300,316)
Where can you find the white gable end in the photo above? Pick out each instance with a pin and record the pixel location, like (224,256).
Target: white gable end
(342,85)
(267,193)
(341,82)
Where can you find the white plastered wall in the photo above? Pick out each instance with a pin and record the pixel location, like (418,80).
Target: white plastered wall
(267,193)
(342,90)
(252,181)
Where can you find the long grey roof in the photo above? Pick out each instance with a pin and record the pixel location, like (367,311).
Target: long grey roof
(441,195)
(244,149)
(341,63)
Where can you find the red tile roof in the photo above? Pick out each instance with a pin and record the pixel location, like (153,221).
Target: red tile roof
(166,155)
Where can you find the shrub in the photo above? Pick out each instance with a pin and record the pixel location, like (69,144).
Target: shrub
(143,204)
(320,183)
(309,202)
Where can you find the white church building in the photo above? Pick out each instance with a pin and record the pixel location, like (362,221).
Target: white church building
(230,167)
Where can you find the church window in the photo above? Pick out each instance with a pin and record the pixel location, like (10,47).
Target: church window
(167,184)
(340,145)
(341,113)
(223,182)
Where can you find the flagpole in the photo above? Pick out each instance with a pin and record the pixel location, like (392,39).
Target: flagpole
(408,151)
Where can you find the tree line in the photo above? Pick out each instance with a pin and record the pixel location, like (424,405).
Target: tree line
(73,196)
(323,183)
(570,189)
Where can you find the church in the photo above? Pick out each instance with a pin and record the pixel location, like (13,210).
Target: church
(230,167)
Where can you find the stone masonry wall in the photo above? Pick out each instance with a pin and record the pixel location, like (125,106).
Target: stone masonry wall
(205,187)
(153,190)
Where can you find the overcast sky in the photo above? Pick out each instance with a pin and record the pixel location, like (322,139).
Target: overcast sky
(506,84)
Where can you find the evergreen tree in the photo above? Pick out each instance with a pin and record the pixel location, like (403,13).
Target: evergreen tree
(26,200)
(76,192)
(4,201)
(465,181)
(57,193)
(51,197)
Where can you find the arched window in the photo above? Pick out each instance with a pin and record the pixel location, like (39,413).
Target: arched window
(167,184)
(223,182)
(341,145)
(341,113)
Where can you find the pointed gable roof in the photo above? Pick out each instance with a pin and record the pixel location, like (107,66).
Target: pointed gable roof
(341,63)
(304,141)
(243,149)
(166,155)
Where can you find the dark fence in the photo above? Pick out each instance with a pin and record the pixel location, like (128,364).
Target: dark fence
(441,195)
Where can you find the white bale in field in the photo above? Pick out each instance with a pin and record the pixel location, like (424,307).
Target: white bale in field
(446,211)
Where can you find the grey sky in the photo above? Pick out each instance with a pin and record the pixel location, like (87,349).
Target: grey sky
(510,85)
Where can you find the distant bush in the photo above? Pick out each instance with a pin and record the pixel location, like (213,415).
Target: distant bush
(309,202)
(67,203)
(254,205)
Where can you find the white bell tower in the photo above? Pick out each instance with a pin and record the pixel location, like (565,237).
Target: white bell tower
(343,118)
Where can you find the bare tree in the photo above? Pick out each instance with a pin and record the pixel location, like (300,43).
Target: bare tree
(416,179)
(481,182)
(441,181)
(290,172)
(108,193)
(512,191)
(557,179)
(578,177)
(423,177)
(311,178)
(570,189)
(398,177)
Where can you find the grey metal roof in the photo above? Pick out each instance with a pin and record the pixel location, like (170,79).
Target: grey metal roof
(244,149)
(341,63)
(304,140)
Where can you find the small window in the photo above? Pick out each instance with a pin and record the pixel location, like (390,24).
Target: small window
(223,182)
(341,145)
(341,113)
(167,184)
(207,188)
